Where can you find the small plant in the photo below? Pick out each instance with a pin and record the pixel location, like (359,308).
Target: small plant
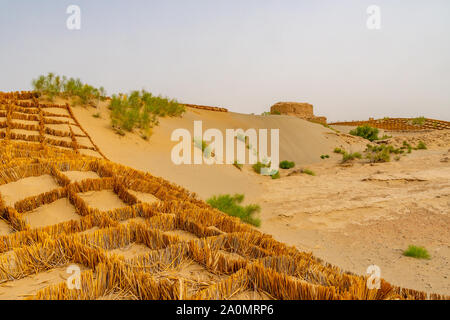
(259,165)
(276,175)
(96,115)
(419,121)
(231,205)
(307,171)
(366,132)
(141,110)
(421,146)
(416,252)
(287,164)
(276,112)
(379,156)
(397,158)
(407,146)
(338,150)
(200,143)
(53,85)
(324,156)
(384,137)
(350,156)
(238,165)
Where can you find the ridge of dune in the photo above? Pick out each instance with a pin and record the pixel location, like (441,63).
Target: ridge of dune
(301,141)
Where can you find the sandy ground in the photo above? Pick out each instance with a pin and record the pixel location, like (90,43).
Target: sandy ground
(351,216)
(25,287)
(366,214)
(56,212)
(103,200)
(24,188)
(77,176)
(144,197)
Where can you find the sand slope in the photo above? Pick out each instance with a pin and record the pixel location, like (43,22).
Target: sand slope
(300,141)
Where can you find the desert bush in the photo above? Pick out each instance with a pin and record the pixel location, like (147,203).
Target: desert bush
(338,150)
(421,146)
(53,85)
(231,205)
(366,132)
(259,165)
(141,110)
(416,252)
(419,121)
(200,143)
(324,156)
(379,156)
(407,146)
(287,164)
(307,171)
(276,175)
(350,156)
(382,153)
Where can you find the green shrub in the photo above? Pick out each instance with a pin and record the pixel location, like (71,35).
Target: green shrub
(350,156)
(278,113)
(231,206)
(366,132)
(200,143)
(276,175)
(379,156)
(287,164)
(416,252)
(141,110)
(307,171)
(96,115)
(259,165)
(407,146)
(338,150)
(324,156)
(421,146)
(53,85)
(419,121)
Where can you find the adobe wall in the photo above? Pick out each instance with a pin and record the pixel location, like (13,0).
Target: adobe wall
(298,109)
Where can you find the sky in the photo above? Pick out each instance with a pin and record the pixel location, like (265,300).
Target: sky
(244,55)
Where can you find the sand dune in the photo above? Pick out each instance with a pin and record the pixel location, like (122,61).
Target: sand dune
(300,141)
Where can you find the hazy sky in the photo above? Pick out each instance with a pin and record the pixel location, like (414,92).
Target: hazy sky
(242,54)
